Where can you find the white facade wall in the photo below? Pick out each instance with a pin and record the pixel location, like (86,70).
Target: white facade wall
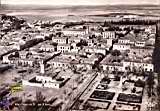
(60,64)
(63,48)
(140,44)
(121,47)
(48,85)
(112,68)
(72,40)
(75,33)
(145,66)
(124,41)
(109,42)
(60,40)
(47,49)
(109,35)
(102,51)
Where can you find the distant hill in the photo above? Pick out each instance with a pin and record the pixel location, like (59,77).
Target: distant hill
(106,7)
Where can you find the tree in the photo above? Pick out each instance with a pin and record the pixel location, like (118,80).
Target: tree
(116,53)
(84,27)
(158,92)
(150,83)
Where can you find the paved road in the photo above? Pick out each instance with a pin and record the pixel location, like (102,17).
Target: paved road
(79,91)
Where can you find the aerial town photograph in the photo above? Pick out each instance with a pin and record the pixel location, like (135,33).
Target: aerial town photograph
(79,55)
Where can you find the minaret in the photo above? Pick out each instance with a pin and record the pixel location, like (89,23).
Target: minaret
(158,29)
(42,70)
(87,30)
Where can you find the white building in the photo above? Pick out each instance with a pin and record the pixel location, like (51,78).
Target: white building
(73,40)
(95,50)
(109,34)
(121,47)
(112,67)
(75,32)
(109,42)
(146,66)
(123,41)
(19,62)
(47,47)
(60,62)
(43,81)
(140,43)
(63,48)
(60,40)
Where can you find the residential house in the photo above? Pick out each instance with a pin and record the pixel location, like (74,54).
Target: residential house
(75,32)
(121,46)
(48,82)
(60,40)
(63,48)
(109,35)
(47,47)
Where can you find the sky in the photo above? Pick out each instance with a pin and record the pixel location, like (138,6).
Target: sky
(79,2)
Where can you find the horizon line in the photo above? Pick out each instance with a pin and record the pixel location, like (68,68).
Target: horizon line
(84,4)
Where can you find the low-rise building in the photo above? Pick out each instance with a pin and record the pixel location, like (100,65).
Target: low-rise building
(95,50)
(109,35)
(60,62)
(138,64)
(112,67)
(111,63)
(18,61)
(143,51)
(73,40)
(60,40)
(47,47)
(140,43)
(63,48)
(121,47)
(75,32)
(42,81)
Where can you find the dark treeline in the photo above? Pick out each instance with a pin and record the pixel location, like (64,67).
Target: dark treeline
(30,43)
(16,23)
(50,24)
(70,24)
(130,22)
